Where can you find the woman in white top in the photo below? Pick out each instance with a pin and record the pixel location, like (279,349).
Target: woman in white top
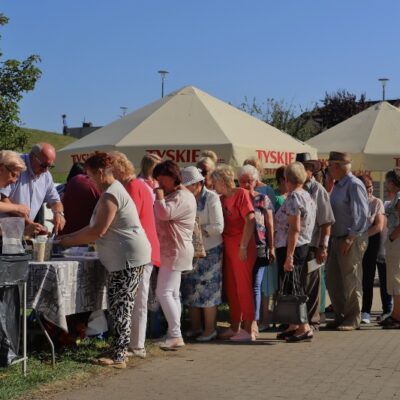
(175,212)
(201,288)
(122,246)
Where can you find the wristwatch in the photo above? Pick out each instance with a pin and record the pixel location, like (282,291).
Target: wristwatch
(59,212)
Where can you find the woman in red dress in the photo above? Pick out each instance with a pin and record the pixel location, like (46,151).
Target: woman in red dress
(239,253)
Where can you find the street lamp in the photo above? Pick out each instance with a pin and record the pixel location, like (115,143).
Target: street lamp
(163,73)
(123,110)
(383,82)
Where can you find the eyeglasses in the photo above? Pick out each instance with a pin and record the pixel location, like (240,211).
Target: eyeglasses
(43,165)
(14,174)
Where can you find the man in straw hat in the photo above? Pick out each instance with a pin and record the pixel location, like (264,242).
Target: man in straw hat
(349,202)
(318,249)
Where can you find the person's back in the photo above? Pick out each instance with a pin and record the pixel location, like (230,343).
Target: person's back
(143,200)
(79,200)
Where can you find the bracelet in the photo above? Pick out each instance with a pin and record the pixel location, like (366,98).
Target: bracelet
(59,212)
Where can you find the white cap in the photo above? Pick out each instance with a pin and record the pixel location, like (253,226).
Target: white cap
(191,175)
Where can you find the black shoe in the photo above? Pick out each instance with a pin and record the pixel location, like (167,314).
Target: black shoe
(284,335)
(304,337)
(390,323)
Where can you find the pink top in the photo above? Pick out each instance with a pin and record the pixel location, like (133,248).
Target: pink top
(175,216)
(150,185)
(144,204)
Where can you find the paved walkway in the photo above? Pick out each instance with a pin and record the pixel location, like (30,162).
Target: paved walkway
(361,365)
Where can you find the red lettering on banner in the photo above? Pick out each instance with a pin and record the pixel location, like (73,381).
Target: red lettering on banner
(195,155)
(178,155)
(170,154)
(80,157)
(275,157)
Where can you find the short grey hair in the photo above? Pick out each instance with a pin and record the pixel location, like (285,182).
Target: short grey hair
(37,148)
(248,170)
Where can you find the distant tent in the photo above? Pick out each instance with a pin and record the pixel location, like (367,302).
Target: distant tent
(372,137)
(181,125)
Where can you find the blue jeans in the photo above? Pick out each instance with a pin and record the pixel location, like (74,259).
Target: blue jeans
(258,274)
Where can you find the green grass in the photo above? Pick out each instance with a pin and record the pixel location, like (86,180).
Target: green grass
(57,140)
(70,365)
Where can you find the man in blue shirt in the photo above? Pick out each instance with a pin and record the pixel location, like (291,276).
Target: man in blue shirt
(349,241)
(35,186)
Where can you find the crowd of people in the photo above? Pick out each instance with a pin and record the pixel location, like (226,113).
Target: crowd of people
(212,238)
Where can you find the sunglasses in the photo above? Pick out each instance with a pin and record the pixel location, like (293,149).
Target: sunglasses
(43,165)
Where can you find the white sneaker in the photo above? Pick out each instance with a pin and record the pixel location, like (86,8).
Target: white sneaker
(140,353)
(172,344)
(365,318)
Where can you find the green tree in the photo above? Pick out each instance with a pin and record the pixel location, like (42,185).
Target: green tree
(339,106)
(16,78)
(281,115)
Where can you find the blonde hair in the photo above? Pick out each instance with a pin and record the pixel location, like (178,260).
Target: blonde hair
(256,163)
(210,154)
(206,161)
(121,166)
(149,161)
(12,160)
(225,174)
(295,173)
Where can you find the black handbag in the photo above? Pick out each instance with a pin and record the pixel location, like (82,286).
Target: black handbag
(290,308)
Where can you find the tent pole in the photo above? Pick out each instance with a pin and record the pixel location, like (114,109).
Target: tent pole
(381,186)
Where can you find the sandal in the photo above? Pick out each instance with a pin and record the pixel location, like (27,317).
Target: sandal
(285,334)
(109,362)
(303,337)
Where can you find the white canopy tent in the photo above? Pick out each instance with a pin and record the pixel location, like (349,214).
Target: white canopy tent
(181,125)
(372,137)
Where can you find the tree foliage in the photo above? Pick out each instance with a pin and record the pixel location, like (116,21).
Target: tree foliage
(281,115)
(16,78)
(339,106)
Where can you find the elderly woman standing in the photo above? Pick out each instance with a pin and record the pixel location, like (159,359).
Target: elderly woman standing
(392,247)
(124,171)
(239,253)
(122,246)
(175,211)
(261,187)
(264,230)
(201,288)
(294,224)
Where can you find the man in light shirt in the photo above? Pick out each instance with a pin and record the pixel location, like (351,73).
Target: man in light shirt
(35,186)
(349,241)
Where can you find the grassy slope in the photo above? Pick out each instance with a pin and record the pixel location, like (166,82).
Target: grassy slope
(57,140)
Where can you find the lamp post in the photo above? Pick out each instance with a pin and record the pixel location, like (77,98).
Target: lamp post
(383,82)
(123,110)
(163,73)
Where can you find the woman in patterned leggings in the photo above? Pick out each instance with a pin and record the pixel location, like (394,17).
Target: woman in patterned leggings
(122,246)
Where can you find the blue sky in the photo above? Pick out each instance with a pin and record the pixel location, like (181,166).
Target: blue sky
(100,55)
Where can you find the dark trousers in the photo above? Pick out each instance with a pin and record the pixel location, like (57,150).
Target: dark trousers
(312,286)
(369,269)
(387,301)
(299,258)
